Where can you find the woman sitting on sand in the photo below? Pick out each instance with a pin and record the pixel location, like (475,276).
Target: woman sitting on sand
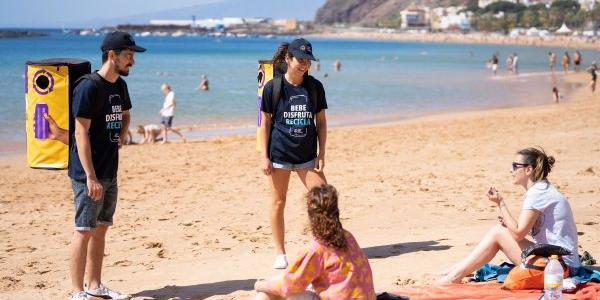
(546,214)
(291,128)
(333,262)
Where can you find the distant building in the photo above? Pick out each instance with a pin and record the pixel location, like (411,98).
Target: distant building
(450,18)
(587,4)
(414,17)
(172,22)
(287,24)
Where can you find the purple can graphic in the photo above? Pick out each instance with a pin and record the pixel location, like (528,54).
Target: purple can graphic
(40,124)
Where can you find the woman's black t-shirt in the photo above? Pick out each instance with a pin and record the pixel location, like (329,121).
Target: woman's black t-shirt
(293,137)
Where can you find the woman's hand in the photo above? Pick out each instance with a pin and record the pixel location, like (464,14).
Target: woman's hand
(320,165)
(267,167)
(494,196)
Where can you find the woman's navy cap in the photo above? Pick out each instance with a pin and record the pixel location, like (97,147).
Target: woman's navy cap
(119,40)
(301,49)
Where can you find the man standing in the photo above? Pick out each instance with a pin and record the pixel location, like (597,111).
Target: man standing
(100,107)
(168,112)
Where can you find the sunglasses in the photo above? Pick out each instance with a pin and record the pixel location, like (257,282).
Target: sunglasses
(516,165)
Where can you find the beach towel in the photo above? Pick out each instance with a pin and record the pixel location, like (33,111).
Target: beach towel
(483,291)
(489,272)
(584,274)
(489,291)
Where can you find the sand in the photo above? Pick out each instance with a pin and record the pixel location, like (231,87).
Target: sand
(573,42)
(192,220)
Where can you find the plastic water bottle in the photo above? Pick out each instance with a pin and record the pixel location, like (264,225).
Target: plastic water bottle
(553,279)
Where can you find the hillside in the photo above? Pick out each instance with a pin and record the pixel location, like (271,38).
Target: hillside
(370,12)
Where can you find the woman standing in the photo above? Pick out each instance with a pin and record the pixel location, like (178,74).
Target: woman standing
(294,129)
(546,215)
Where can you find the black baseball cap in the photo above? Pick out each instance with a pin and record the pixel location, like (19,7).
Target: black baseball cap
(301,49)
(119,40)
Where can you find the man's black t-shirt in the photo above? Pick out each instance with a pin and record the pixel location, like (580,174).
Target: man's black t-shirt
(105,127)
(293,134)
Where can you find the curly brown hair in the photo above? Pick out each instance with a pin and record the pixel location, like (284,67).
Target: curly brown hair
(324,216)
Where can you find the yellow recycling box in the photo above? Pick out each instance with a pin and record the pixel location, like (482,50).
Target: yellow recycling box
(48,87)
(265,73)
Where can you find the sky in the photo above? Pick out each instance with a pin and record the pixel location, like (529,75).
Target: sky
(88,13)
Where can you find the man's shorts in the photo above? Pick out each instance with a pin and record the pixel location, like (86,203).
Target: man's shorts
(295,167)
(167,121)
(89,213)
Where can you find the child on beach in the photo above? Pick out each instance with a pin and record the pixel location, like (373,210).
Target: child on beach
(333,262)
(546,215)
(149,133)
(555,94)
(167,113)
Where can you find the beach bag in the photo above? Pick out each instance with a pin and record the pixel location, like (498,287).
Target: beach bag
(530,274)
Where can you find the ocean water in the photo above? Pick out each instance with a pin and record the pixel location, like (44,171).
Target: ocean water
(379,80)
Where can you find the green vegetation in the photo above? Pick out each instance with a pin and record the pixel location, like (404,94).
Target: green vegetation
(540,16)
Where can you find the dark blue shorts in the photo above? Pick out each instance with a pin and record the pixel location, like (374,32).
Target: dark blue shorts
(167,121)
(89,213)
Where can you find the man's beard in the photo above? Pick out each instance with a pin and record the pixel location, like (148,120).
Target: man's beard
(122,72)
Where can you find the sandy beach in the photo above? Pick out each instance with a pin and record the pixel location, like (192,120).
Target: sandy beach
(573,42)
(192,221)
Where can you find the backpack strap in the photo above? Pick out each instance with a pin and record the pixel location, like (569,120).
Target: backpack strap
(310,84)
(276,94)
(100,95)
(123,88)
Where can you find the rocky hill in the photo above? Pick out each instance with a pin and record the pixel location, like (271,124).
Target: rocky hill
(370,12)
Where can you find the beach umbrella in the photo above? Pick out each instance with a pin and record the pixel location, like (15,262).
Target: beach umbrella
(563,29)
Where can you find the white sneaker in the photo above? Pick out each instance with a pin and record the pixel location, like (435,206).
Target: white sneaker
(79,296)
(103,292)
(280,262)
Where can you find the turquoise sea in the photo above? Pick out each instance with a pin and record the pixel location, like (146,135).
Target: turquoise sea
(380,81)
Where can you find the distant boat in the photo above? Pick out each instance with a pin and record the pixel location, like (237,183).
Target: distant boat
(178,33)
(86,32)
(145,33)
(242,35)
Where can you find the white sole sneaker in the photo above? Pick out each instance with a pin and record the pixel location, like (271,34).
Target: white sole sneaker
(280,262)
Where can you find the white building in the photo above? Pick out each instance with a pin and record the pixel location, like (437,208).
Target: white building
(172,22)
(414,17)
(448,18)
(587,4)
